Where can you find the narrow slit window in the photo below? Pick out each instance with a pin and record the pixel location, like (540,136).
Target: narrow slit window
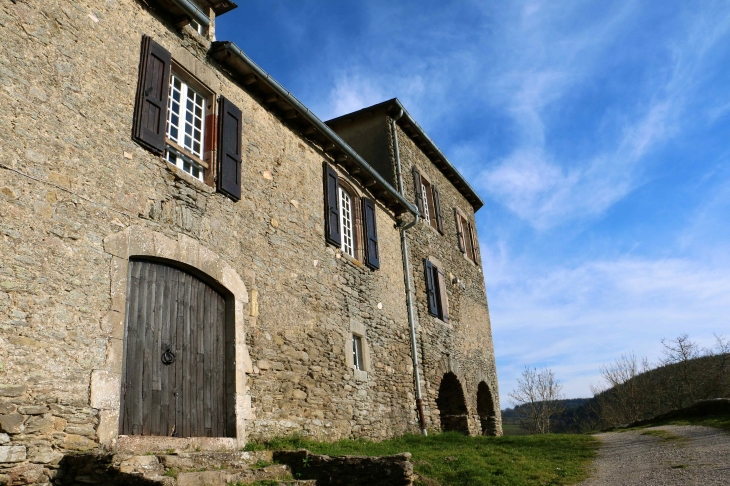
(348,244)
(185,127)
(357,352)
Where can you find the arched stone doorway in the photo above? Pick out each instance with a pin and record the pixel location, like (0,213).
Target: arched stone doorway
(452,405)
(485,409)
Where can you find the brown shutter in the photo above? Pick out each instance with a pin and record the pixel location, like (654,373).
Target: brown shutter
(372,256)
(150,108)
(437,208)
(459,231)
(417,183)
(229,149)
(443,299)
(431,282)
(474,244)
(466,225)
(331,206)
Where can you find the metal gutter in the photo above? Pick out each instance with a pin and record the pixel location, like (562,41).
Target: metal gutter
(407,279)
(230,54)
(193,11)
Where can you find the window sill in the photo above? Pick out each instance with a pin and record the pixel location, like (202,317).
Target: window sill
(469,260)
(439,321)
(360,375)
(184,176)
(340,255)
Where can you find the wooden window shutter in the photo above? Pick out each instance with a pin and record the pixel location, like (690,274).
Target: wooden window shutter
(417,184)
(431,282)
(372,255)
(333,233)
(229,149)
(150,107)
(466,225)
(437,208)
(443,299)
(474,243)
(459,231)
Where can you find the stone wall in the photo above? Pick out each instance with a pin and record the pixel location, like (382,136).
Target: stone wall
(72,178)
(462,346)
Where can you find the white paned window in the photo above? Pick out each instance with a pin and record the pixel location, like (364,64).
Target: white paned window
(348,244)
(198,28)
(424,194)
(357,352)
(185,126)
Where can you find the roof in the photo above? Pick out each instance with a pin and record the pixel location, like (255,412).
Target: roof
(422,140)
(195,8)
(300,119)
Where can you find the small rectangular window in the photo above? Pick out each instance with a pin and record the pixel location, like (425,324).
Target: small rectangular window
(196,26)
(357,352)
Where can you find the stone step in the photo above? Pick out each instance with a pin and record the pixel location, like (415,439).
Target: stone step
(204,468)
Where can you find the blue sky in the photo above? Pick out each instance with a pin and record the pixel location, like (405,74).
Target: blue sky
(597,133)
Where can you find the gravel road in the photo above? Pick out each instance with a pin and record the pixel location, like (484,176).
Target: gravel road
(668,455)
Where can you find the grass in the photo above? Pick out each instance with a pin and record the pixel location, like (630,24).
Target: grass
(717,421)
(513,429)
(664,435)
(455,459)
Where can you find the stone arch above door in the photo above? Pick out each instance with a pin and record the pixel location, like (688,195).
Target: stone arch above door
(137,241)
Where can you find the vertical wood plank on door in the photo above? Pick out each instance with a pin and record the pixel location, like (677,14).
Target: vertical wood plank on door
(201,326)
(180,368)
(208,364)
(188,412)
(149,349)
(220,353)
(129,392)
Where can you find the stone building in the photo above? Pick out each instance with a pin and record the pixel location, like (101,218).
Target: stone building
(190,258)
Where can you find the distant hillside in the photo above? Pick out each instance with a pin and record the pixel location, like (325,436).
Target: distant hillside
(651,393)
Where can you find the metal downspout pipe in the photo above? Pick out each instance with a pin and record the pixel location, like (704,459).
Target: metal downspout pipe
(407,278)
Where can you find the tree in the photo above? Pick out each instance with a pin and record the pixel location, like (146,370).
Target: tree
(627,394)
(539,393)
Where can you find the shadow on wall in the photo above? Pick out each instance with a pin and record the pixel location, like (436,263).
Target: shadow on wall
(452,405)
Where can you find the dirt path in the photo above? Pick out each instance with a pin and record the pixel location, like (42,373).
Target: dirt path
(668,455)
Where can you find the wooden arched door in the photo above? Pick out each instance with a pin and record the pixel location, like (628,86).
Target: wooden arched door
(175,370)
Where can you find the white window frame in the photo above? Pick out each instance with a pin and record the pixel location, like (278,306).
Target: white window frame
(347,244)
(357,352)
(196,26)
(185,137)
(424,196)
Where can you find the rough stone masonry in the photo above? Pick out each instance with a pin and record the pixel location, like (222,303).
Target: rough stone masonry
(79,199)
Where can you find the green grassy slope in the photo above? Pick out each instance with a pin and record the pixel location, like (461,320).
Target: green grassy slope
(455,459)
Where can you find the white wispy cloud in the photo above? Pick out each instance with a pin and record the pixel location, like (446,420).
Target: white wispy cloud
(574,319)
(545,191)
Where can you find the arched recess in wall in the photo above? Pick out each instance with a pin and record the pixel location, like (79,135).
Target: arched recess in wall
(452,405)
(485,409)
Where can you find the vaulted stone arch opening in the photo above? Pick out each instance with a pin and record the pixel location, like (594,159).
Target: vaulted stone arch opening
(452,405)
(485,410)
